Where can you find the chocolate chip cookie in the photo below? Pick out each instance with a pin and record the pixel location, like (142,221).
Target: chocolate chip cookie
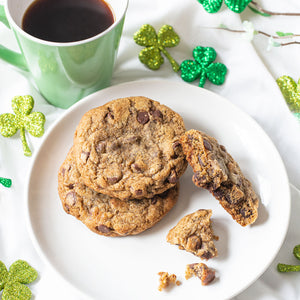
(106,215)
(194,234)
(129,148)
(215,170)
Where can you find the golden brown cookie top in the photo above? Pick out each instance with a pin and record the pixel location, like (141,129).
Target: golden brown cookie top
(128,148)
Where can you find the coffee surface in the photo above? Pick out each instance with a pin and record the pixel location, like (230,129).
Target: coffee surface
(67,20)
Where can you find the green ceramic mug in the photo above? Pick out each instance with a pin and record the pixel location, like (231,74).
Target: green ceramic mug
(64,72)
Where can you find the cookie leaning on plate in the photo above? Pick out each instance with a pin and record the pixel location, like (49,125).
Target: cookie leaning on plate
(129,148)
(215,170)
(106,215)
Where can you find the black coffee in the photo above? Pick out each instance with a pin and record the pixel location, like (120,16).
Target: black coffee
(67,20)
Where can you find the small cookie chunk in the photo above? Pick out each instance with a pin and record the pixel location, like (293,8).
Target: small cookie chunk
(205,274)
(194,233)
(129,148)
(106,215)
(165,280)
(215,170)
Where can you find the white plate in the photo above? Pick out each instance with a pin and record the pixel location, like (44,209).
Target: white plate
(126,268)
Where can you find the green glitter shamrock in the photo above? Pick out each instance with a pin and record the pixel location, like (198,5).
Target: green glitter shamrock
(5,182)
(213,6)
(203,67)
(284,268)
(23,119)
(291,92)
(155,44)
(13,282)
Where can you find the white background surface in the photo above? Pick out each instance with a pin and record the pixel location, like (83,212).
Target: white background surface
(250,84)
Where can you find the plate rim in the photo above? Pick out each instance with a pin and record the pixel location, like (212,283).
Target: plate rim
(82,103)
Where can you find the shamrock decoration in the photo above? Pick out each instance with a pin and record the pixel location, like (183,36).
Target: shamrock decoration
(155,44)
(5,182)
(203,67)
(23,119)
(290,91)
(213,6)
(13,282)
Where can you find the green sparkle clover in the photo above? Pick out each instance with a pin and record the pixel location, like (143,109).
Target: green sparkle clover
(5,182)
(213,6)
(23,119)
(13,282)
(155,44)
(290,91)
(203,67)
(283,268)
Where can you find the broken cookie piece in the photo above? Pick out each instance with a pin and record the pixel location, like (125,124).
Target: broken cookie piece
(165,280)
(194,234)
(215,170)
(205,274)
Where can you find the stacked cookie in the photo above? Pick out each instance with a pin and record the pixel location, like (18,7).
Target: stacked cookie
(121,175)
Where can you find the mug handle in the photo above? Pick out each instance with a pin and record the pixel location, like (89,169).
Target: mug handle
(12,57)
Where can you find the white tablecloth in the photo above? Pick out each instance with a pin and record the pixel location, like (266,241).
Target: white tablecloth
(250,84)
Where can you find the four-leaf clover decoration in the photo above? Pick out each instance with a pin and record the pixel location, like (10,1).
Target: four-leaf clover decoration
(13,282)
(213,6)
(155,44)
(203,67)
(23,119)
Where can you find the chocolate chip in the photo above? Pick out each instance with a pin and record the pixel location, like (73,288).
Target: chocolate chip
(200,161)
(138,192)
(206,255)
(143,117)
(175,145)
(85,155)
(223,148)
(136,168)
(103,229)
(200,179)
(71,198)
(71,186)
(154,200)
(192,266)
(218,193)
(208,277)
(173,177)
(113,180)
(109,115)
(207,145)
(157,114)
(101,147)
(243,212)
(194,242)
(132,139)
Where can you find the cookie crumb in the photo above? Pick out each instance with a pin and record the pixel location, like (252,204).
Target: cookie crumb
(202,271)
(165,280)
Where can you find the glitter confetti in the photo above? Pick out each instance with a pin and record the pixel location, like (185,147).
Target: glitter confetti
(203,67)
(13,282)
(23,119)
(155,45)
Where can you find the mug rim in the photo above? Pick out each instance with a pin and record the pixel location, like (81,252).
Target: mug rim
(63,44)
